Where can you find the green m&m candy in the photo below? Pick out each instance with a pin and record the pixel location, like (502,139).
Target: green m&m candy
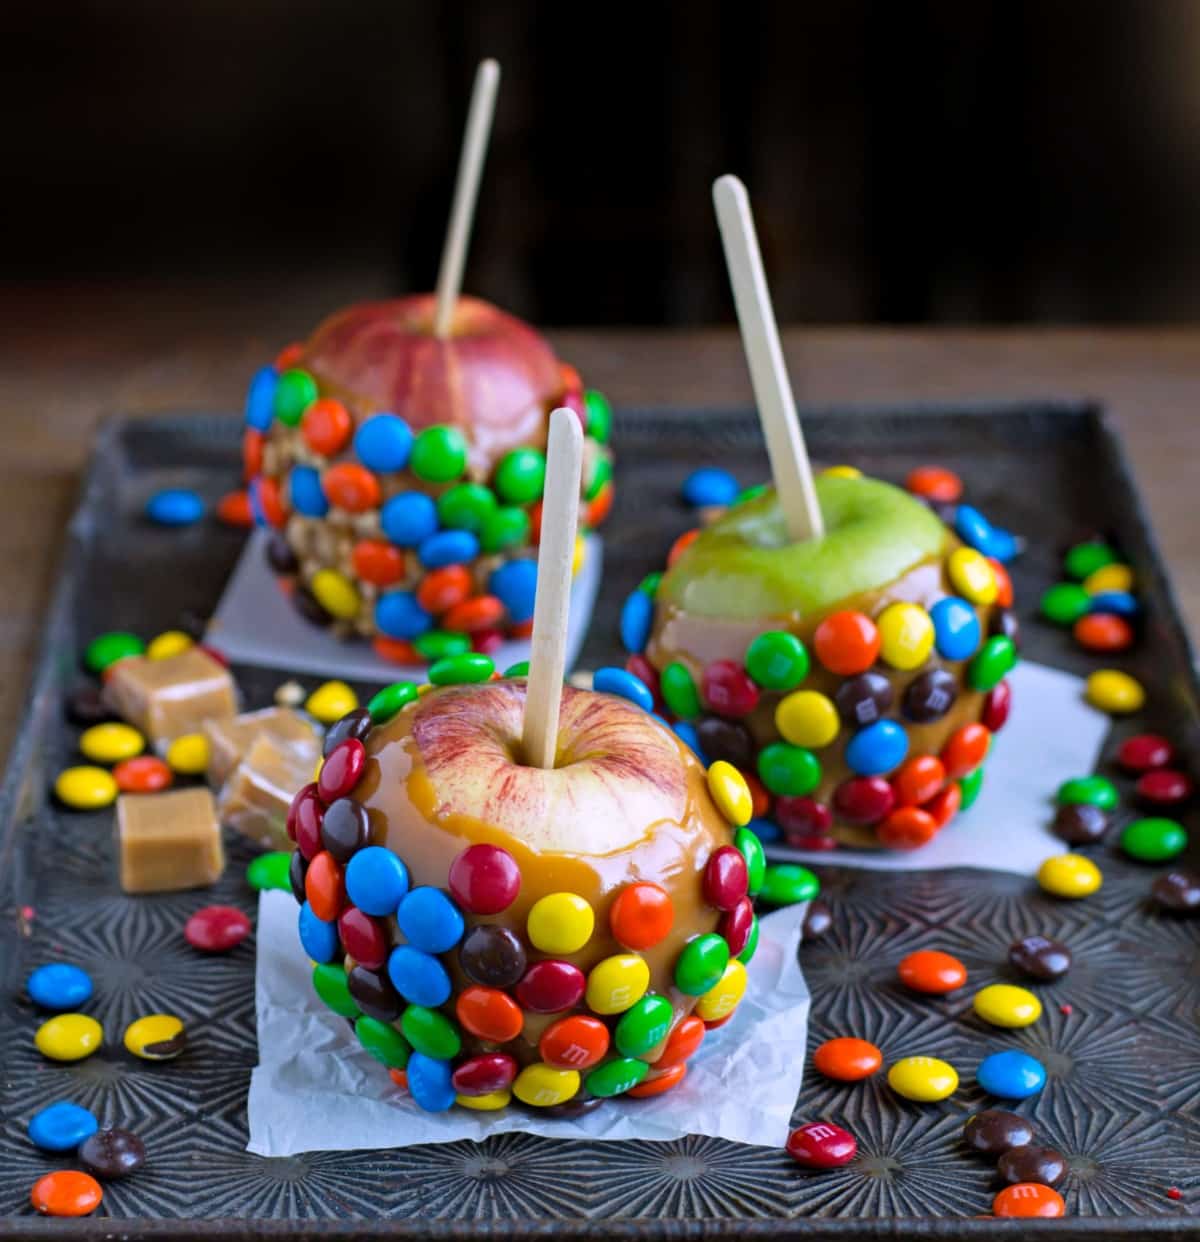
(107,649)
(787,770)
(777,660)
(472,666)
(601,474)
(1153,840)
(521,476)
(992,663)
(751,944)
(650,583)
(970,785)
(269,871)
(749,493)
(1085,558)
(599,415)
(644,1025)
(439,455)
(520,669)
(701,964)
(788,883)
(751,849)
(1093,790)
(679,691)
(439,644)
(430,1032)
(1065,602)
(506,527)
(616,1077)
(329,983)
(388,701)
(382,1041)
(466,506)
(294,393)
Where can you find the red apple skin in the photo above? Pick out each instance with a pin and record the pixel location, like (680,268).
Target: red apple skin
(431,788)
(493,376)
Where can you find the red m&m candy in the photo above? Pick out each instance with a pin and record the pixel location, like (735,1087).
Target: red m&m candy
(485,879)
(551,986)
(864,800)
(143,774)
(342,770)
(726,878)
(846,643)
(1164,787)
(1144,751)
(216,929)
(821,1145)
(481,1075)
(727,689)
(996,707)
(802,818)
(363,937)
(736,925)
(304,820)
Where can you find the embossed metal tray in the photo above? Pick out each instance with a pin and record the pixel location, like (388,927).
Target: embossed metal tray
(1124,1064)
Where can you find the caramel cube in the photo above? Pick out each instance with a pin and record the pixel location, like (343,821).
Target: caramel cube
(167,698)
(257,796)
(169,841)
(230,739)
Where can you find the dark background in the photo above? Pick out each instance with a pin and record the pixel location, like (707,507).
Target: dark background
(909,160)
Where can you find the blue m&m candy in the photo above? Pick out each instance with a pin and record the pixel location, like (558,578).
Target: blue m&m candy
(710,486)
(260,400)
(973,528)
(398,615)
(376,880)
(690,738)
(515,584)
(617,681)
(1002,546)
(418,976)
(637,615)
(429,1083)
(765,829)
(430,920)
(1011,1075)
(61,1126)
(318,938)
(1117,603)
(956,630)
(383,442)
(175,506)
(877,749)
(448,547)
(308,497)
(408,518)
(59,985)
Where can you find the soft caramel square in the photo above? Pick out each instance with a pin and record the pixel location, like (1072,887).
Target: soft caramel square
(231,738)
(167,698)
(257,796)
(167,842)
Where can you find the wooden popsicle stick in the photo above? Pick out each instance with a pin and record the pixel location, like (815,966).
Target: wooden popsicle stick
(548,646)
(466,191)
(764,354)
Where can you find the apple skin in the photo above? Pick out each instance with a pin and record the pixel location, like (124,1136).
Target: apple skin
(493,376)
(628,802)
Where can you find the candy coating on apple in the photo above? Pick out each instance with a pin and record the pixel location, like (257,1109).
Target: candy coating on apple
(493,376)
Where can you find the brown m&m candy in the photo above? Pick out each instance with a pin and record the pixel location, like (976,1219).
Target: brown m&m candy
(111,1153)
(995,1131)
(1027,1163)
(1178,891)
(1080,823)
(1040,958)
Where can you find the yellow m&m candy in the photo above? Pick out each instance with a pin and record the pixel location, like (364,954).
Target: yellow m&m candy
(188,755)
(69,1037)
(616,983)
(1114,692)
(807,718)
(577,555)
(169,643)
(1109,578)
(336,594)
(1002,1004)
(906,633)
(723,999)
(924,1079)
(972,576)
(540,1086)
(560,923)
(731,793)
(841,472)
(110,743)
(85,788)
(1069,875)
(331,701)
(156,1037)
(485,1103)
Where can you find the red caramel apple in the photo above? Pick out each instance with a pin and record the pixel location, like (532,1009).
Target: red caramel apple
(500,930)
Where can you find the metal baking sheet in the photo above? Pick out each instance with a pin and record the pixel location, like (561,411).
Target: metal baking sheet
(1124,1063)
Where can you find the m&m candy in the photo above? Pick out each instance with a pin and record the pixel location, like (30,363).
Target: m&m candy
(847,1059)
(59,985)
(923,1079)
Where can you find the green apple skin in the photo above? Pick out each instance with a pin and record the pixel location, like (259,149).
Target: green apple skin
(744,568)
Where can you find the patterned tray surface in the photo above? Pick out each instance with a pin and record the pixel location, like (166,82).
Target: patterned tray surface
(1124,1063)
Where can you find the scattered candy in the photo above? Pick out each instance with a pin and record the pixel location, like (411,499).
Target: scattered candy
(1164,787)
(143,774)
(1084,559)
(1080,823)
(821,1145)
(156,1037)
(709,486)
(66,1193)
(1093,790)
(175,507)
(1003,1004)
(85,788)
(269,871)
(61,1126)
(1101,631)
(107,649)
(1177,892)
(1154,839)
(216,929)
(1114,692)
(1027,1199)
(1011,1075)
(1041,1165)
(994,1131)
(923,1079)
(59,985)
(1065,603)
(188,755)
(1069,875)
(1145,751)
(111,742)
(1040,958)
(69,1037)
(847,1059)
(331,701)
(110,1153)
(932,972)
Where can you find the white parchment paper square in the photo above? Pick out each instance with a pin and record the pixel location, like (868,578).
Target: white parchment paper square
(1052,734)
(315,1089)
(255,623)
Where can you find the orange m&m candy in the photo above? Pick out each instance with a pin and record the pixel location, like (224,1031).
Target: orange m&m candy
(847,1059)
(143,774)
(760,800)
(269,500)
(400,1078)
(66,1193)
(377,562)
(396,650)
(641,916)
(659,1084)
(350,486)
(943,807)
(1004,586)
(965,750)
(1102,631)
(489,1014)
(480,612)
(1028,1199)
(682,1042)
(846,642)
(324,886)
(918,779)
(907,828)
(443,588)
(252,453)
(521,629)
(932,971)
(934,483)
(681,545)
(326,427)
(574,1043)
(289,356)
(234,509)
